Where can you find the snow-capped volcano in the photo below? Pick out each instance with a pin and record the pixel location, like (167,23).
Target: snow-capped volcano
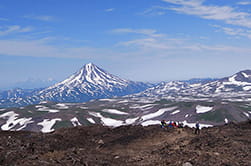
(91,75)
(90,82)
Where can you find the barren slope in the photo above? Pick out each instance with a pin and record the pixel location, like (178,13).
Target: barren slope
(129,145)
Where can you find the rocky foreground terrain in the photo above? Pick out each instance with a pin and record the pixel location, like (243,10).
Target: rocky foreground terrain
(129,145)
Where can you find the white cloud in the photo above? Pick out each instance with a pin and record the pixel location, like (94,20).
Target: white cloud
(40,17)
(244,3)
(109,10)
(227,14)
(14,29)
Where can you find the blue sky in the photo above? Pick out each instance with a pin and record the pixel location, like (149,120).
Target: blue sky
(142,40)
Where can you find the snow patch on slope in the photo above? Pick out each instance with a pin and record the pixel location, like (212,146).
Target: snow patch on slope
(91,120)
(192,125)
(84,108)
(246,88)
(246,114)
(202,109)
(232,80)
(131,120)
(75,122)
(245,75)
(158,113)
(62,106)
(175,112)
(109,100)
(48,124)
(147,106)
(43,108)
(107,121)
(150,122)
(123,101)
(13,121)
(114,111)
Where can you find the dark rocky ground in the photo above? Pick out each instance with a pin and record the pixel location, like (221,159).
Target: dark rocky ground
(227,145)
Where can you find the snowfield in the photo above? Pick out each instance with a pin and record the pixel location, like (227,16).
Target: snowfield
(246,114)
(232,80)
(84,108)
(91,120)
(43,108)
(245,75)
(48,124)
(75,122)
(175,112)
(62,106)
(109,100)
(143,107)
(158,113)
(131,121)
(192,125)
(150,122)
(114,111)
(43,102)
(246,88)
(123,101)
(107,121)
(202,109)
(13,121)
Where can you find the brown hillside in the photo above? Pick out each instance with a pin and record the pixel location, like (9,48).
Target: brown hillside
(129,145)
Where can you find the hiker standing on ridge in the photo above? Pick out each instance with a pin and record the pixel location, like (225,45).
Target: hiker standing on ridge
(197,128)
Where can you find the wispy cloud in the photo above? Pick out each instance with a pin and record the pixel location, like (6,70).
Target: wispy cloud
(40,17)
(227,14)
(150,48)
(4,19)
(237,32)
(148,32)
(154,11)
(14,29)
(44,48)
(109,10)
(244,3)
(166,46)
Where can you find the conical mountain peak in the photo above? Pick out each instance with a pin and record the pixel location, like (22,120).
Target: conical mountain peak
(90,82)
(89,66)
(90,73)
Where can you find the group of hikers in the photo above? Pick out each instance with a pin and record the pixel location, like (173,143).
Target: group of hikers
(173,124)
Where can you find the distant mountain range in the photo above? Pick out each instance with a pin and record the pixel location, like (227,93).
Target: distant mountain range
(30,84)
(123,102)
(90,82)
(235,86)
